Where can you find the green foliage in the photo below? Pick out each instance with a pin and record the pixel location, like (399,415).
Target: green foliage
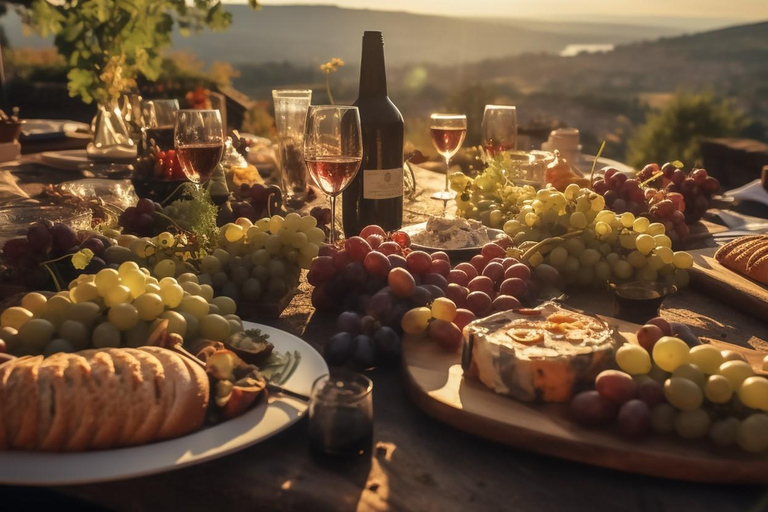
(259,121)
(109,43)
(471,101)
(676,131)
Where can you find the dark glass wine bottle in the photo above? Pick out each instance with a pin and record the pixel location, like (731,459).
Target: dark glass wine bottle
(375,196)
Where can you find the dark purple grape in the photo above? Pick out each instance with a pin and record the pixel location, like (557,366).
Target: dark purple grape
(634,419)
(95,245)
(420,297)
(338,349)
(387,344)
(39,238)
(363,351)
(379,305)
(145,206)
(435,279)
(355,276)
(434,291)
(64,237)
(395,316)
(95,265)
(374,285)
(368,324)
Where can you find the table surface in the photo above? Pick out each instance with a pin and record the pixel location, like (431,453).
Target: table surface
(417,463)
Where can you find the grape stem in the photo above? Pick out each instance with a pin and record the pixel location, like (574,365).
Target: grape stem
(652,178)
(547,241)
(594,163)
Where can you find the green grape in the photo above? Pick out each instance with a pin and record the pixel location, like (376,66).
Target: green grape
(681,278)
(736,372)
(691,372)
(226,305)
(654,262)
(663,418)
(299,239)
(190,287)
(171,295)
(669,353)
(35,334)
(640,225)
(531,219)
(645,243)
(35,303)
(206,292)
(571,265)
(655,228)
(232,232)
(214,327)
(84,292)
(683,393)
(718,389)
(662,241)
(123,316)
(557,256)
(512,226)
(275,224)
(194,305)
(260,257)
(135,281)
(127,267)
(165,268)
(633,359)
(177,324)
(665,253)
(603,229)
(106,335)
(622,270)
(210,264)
(627,239)
(262,224)
(586,276)
(589,257)
(149,306)
(636,259)
(76,333)
(602,272)
(84,312)
(753,393)
(165,239)
(416,320)
(682,260)
(222,256)
(627,219)
(598,203)
(605,216)
(724,432)
(574,246)
(646,274)
(273,244)
(15,317)
(612,258)
(307,222)
(752,434)
(292,221)
(310,250)
(578,220)
(105,280)
(706,357)
(316,236)
(692,424)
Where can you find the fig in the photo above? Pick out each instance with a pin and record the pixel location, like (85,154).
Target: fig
(252,351)
(221,364)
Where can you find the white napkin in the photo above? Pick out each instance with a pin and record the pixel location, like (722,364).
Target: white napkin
(752,191)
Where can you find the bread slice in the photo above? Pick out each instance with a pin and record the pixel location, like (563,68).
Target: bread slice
(199,407)
(184,414)
(104,390)
(153,374)
(81,425)
(5,372)
(53,408)
(737,244)
(20,409)
(136,395)
(748,255)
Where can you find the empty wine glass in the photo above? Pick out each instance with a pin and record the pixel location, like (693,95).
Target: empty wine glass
(199,140)
(333,150)
(448,132)
(499,129)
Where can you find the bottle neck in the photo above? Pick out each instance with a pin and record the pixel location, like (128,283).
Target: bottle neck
(373,73)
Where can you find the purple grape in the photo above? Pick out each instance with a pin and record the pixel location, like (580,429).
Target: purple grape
(368,325)
(338,349)
(379,305)
(39,237)
(94,244)
(387,344)
(355,276)
(435,279)
(634,418)
(349,321)
(64,238)
(145,206)
(363,351)
(434,291)
(420,297)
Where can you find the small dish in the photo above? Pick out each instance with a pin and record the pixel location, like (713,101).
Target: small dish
(463,253)
(639,301)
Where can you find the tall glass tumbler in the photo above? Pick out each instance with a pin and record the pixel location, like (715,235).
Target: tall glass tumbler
(290,119)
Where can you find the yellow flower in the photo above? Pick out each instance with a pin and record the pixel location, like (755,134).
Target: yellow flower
(81,259)
(332,65)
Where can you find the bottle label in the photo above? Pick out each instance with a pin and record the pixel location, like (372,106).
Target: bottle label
(382,183)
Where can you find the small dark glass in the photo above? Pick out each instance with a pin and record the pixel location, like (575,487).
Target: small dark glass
(639,301)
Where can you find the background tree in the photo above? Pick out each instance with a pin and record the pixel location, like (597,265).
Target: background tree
(676,131)
(109,43)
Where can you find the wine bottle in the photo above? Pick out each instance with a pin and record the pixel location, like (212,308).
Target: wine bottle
(375,196)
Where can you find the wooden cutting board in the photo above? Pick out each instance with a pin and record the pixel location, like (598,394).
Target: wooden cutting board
(434,381)
(712,278)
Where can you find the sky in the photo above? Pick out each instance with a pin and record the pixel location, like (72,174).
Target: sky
(581,9)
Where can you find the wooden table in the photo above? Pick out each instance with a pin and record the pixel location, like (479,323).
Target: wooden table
(418,464)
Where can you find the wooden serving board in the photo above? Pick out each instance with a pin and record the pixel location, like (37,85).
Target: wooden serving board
(435,382)
(720,282)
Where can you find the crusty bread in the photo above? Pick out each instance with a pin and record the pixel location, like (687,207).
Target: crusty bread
(100,399)
(748,255)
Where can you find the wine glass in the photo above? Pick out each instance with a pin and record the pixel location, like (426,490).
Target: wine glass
(499,129)
(159,119)
(199,140)
(333,150)
(448,132)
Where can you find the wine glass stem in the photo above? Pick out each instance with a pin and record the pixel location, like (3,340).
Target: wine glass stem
(447,170)
(332,235)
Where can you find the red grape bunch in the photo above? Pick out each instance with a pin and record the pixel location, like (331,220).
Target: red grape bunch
(695,188)
(257,201)
(323,217)
(141,219)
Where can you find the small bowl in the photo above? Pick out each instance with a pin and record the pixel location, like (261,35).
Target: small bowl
(639,301)
(16,220)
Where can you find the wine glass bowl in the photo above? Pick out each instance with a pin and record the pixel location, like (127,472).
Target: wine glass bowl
(158,121)
(199,141)
(333,150)
(448,132)
(499,129)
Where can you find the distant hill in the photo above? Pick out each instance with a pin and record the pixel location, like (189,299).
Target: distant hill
(311,34)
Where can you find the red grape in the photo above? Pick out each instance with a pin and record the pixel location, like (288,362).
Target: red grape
(145,206)
(401,238)
(519,270)
(468,269)
(446,334)
(668,169)
(39,238)
(608,173)
(463,317)
(492,250)
(419,262)
(648,335)
(458,294)
(440,255)
(401,282)
(495,271)
(590,408)
(481,284)
(441,267)
(651,392)
(479,262)
(661,324)
(320,270)
(710,185)
(616,386)
(458,277)
(634,419)
(373,230)
(16,249)
(506,303)
(479,303)
(397,261)
(321,300)
(327,250)
(678,175)
(508,262)
(341,259)
(699,175)
(377,264)
(514,286)
(357,248)
(95,245)
(600,186)
(390,248)
(435,279)
(374,241)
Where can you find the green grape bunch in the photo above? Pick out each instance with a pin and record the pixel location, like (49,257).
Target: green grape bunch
(490,198)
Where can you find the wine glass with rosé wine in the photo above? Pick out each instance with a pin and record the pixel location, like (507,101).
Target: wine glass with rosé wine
(448,132)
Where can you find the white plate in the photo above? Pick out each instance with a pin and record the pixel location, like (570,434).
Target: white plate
(67,160)
(464,252)
(44,129)
(258,424)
